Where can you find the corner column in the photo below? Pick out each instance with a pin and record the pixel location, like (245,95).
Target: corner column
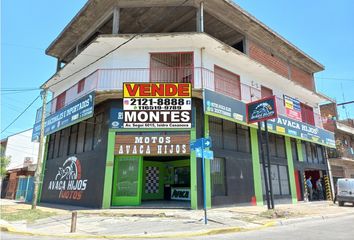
(291,172)
(108,177)
(257,177)
(207,165)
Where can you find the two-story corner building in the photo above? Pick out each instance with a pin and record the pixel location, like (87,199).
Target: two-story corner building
(228,56)
(341,158)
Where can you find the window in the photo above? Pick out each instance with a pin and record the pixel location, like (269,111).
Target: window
(56,145)
(227,83)
(81,86)
(280,145)
(218,177)
(279,179)
(60,101)
(98,130)
(294,150)
(284,181)
(62,143)
(266,92)
(243,138)
(320,154)
(307,114)
(171,67)
(229,135)
(73,139)
(89,134)
(182,176)
(276,145)
(51,146)
(81,137)
(216,131)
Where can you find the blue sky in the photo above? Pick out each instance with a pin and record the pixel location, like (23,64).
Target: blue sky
(320,28)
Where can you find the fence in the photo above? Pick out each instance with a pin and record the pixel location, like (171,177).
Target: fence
(201,78)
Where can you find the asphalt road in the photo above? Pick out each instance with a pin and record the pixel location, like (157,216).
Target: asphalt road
(333,228)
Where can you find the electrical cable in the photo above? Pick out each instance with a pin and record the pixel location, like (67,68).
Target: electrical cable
(21,113)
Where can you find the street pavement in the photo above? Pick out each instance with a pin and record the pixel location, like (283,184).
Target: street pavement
(310,229)
(172,223)
(340,228)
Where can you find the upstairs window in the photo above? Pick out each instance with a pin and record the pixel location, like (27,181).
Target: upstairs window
(266,92)
(307,114)
(81,86)
(60,101)
(227,83)
(172,67)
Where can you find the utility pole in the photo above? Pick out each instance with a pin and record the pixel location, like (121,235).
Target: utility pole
(37,176)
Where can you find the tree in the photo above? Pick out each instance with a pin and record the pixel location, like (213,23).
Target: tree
(4,162)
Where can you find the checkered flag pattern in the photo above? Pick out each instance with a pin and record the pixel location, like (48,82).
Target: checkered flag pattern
(152,180)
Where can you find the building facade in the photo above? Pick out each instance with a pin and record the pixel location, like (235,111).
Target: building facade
(341,158)
(229,58)
(23,155)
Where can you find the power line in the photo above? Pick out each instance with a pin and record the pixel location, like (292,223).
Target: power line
(74,73)
(21,113)
(334,78)
(17,89)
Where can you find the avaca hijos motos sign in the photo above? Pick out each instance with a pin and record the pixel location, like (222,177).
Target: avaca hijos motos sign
(69,182)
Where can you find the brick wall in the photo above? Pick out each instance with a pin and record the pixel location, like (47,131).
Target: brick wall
(266,58)
(280,66)
(327,111)
(302,77)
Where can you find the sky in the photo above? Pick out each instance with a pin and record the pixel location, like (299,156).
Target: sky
(320,28)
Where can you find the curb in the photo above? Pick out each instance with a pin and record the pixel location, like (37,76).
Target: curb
(307,219)
(216,231)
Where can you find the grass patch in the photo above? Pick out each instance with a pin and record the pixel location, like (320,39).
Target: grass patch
(274,214)
(25,214)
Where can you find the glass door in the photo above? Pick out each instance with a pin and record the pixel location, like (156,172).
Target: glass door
(127,181)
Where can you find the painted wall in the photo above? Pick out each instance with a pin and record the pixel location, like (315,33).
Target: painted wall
(19,147)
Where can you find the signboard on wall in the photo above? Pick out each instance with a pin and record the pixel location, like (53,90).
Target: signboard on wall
(157,105)
(261,110)
(69,183)
(75,180)
(301,130)
(71,114)
(292,108)
(221,106)
(150,145)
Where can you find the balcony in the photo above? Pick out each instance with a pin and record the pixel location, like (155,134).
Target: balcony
(201,78)
(341,151)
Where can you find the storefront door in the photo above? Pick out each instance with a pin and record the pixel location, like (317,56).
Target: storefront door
(127,181)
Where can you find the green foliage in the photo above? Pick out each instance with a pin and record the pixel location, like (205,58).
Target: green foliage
(4,162)
(30,215)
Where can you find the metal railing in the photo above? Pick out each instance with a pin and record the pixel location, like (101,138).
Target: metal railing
(201,78)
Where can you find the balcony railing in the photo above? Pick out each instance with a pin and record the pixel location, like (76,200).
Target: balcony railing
(341,152)
(201,78)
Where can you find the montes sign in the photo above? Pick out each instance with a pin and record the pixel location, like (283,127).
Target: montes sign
(157,105)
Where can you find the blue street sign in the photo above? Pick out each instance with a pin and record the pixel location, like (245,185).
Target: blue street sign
(207,153)
(201,143)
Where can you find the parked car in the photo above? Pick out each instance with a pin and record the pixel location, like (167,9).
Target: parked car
(345,191)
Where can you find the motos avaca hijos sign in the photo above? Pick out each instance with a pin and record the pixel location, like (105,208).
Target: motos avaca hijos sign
(168,145)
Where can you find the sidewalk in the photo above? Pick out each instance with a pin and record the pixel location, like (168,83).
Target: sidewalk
(165,223)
